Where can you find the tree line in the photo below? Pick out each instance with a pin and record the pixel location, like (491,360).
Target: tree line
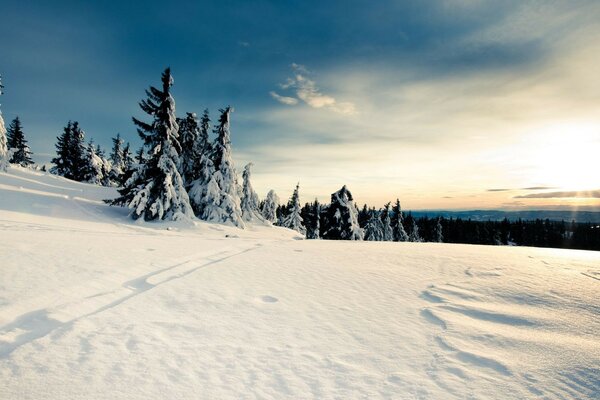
(185,169)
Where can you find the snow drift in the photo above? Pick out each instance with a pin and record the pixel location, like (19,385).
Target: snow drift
(94,305)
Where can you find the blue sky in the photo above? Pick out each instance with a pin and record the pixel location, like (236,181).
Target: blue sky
(433,102)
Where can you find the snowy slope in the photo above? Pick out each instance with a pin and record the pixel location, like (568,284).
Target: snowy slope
(95,306)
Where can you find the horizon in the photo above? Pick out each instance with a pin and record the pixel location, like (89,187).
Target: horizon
(451,106)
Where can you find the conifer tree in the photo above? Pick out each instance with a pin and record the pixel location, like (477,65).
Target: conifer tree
(62,162)
(249,201)
(156,189)
(400,234)
(4,154)
(374,227)
(216,194)
(21,154)
(269,207)
(437,235)
(128,160)
(414,232)
(117,158)
(341,218)
(293,220)
(71,160)
(94,169)
(313,220)
(386,223)
(191,147)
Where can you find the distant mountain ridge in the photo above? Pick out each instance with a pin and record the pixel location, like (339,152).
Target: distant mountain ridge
(498,215)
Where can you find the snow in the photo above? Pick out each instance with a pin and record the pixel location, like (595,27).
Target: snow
(94,305)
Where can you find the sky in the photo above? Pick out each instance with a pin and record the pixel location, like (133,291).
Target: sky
(468,104)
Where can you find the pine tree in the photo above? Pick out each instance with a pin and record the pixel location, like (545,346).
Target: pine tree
(414,232)
(438,236)
(62,161)
(191,147)
(363,216)
(21,154)
(313,220)
(293,220)
(156,190)
(128,160)
(341,218)
(269,207)
(117,158)
(249,201)
(71,160)
(215,194)
(4,154)
(94,169)
(400,234)
(374,227)
(386,223)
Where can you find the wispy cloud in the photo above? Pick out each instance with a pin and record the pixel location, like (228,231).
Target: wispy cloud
(525,188)
(590,194)
(290,101)
(306,90)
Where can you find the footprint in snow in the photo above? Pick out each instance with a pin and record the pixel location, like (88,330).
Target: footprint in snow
(269,299)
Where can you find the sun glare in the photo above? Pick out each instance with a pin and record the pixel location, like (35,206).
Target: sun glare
(566,156)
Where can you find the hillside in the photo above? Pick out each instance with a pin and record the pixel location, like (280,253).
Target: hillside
(94,305)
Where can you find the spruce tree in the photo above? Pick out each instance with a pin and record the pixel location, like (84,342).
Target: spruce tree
(293,220)
(77,153)
(21,154)
(386,223)
(374,227)
(400,234)
(4,154)
(71,159)
(269,207)
(313,220)
(216,193)
(191,147)
(128,160)
(117,158)
(438,236)
(94,169)
(62,161)
(414,232)
(341,218)
(156,189)
(249,201)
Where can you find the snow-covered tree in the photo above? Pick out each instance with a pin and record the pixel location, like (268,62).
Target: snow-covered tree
(374,230)
(94,170)
(128,160)
(191,147)
(386,223)
(293,220)
(21,154)
(156,189)
(4,154)
(249,201)
(312,219)
(400,234)
(269,207)
(70,160)
(341,218)
(117,159)
(215,194)
(414,232)
(437,234)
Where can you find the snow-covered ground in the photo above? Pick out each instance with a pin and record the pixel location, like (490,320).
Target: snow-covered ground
(95,306)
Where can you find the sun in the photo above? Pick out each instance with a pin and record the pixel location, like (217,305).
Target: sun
(566,156)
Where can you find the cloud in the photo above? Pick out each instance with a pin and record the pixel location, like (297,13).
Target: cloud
(526,188)
(306,90)
(290,101)
(590,194)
